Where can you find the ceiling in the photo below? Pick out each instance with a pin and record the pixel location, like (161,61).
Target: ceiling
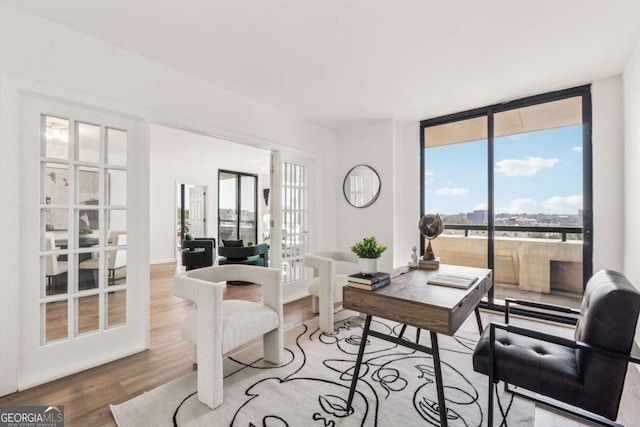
(339,63)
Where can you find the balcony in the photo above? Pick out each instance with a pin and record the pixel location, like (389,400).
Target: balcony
(547,267)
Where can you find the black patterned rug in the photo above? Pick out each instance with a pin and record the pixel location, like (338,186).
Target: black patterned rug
(396,386)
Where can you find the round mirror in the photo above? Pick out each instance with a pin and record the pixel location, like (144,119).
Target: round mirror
(361,186)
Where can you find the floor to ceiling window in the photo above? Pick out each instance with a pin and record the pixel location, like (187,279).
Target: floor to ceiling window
(512,183)
(237,206)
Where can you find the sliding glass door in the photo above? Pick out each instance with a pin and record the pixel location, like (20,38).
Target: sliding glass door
(513,185)
(237,206)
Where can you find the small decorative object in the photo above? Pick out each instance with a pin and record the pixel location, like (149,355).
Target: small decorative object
(430,226)
(414,257)
(369,251)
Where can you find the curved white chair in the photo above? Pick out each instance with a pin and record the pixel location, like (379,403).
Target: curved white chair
(217,327)
(329,279)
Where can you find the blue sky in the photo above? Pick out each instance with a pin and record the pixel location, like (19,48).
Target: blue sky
(537,172)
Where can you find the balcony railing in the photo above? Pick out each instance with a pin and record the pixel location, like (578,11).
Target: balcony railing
(543,259)
(562,231)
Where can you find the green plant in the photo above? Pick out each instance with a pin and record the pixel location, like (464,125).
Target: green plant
(368,248)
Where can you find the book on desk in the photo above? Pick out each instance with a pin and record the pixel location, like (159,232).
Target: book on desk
(369,282)
(452,280)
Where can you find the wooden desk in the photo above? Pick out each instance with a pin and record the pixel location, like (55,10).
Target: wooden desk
(410,300)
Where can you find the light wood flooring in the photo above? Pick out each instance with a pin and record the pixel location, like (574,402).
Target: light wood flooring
(86,395)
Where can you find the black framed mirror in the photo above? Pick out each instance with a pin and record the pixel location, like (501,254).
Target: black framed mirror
(361,186)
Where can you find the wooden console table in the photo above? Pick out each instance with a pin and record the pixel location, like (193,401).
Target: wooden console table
(410,300)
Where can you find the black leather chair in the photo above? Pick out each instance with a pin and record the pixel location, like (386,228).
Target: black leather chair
(588,372)
(198,252)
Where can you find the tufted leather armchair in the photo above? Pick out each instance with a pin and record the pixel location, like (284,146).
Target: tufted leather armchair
(587,372)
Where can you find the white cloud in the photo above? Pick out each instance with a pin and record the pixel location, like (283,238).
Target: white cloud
(454,192)
(520,206)
(523,205)
(527,167)
(428,173)
(577,149)
(569,203)
(481,207)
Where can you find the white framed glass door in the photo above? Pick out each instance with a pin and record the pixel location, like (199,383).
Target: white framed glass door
(292,223)
(80,306)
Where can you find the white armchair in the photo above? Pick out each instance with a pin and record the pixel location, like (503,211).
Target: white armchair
(330,271)
(217,327)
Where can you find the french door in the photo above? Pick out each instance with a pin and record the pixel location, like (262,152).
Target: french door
(292,223)
(82,297)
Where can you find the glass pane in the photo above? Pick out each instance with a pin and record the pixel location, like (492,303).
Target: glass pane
(116,188)
(248,209)
(88,270)
(56,137)
(116,308)
(455,182)
(55,223)
(56,185)
(88,313)
(116,147)
(88,142)
(117,263)
(54,272)
(227,206)
(538,203)
(55,320)
(88,232)
(116,220)
(88,185)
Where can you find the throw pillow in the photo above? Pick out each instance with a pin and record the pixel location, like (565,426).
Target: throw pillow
(233,243)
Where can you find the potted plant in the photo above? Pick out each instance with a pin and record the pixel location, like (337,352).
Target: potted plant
(368,251)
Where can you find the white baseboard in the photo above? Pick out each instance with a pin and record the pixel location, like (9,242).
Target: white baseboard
(162,261)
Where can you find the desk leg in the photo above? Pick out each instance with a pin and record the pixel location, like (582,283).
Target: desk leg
(356,369)
(436,364)
(479,320)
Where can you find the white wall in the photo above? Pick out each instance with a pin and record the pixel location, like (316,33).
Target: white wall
(180,157)
(631,80)
(80,67)
(371,145)
(398,219)
(608,176)
(406,195)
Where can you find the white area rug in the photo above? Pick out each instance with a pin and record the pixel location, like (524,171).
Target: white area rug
(397,386)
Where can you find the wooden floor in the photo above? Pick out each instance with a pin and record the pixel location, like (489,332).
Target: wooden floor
(86,395)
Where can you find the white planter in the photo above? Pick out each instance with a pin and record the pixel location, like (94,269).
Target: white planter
(368,265)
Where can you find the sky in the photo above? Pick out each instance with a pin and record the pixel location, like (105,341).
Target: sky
(536,172)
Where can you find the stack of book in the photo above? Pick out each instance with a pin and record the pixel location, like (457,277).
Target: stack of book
(429,264)
(369,282)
